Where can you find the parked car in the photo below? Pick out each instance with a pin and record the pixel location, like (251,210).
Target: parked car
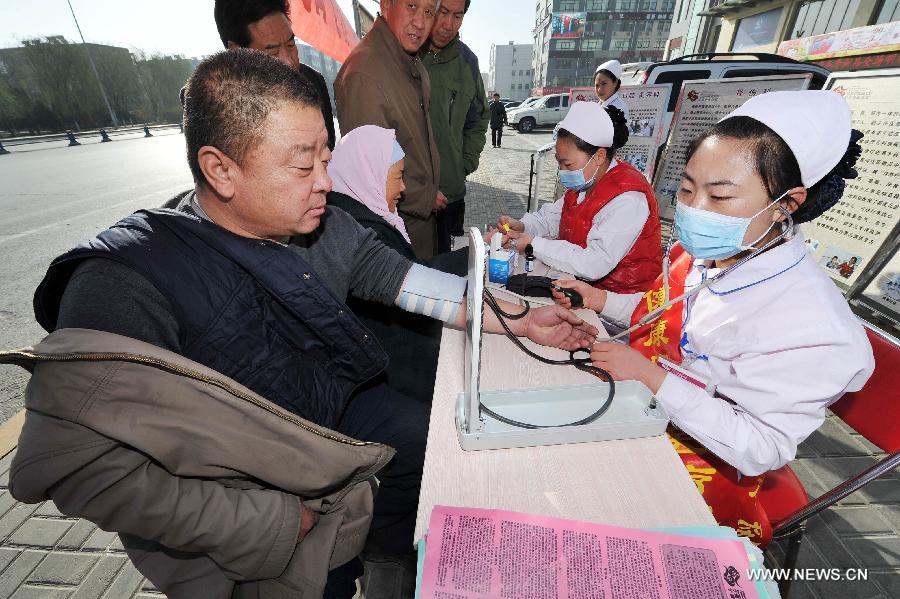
(512,104)
(726,66)
(633,72)
(723,66)
(544,111)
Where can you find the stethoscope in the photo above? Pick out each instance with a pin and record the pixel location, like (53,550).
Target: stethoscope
(653,316)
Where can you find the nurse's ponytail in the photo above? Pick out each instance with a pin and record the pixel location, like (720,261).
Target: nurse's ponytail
(620,130)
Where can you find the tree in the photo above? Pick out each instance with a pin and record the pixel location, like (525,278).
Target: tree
(63,81)
(162,78)
(119,74)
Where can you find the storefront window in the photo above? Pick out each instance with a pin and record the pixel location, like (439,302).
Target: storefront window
(825,17)
(757,30)
(890,11)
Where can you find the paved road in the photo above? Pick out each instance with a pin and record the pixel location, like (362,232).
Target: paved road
(52,197)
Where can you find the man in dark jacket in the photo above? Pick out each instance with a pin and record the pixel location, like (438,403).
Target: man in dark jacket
(263,25)
(459,114)
(249,278)
(498,119)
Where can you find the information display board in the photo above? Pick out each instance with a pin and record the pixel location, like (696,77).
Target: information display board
(701,105)
(883,293)
(845,238)
(646,120)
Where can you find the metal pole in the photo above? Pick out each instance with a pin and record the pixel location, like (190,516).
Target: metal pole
(530,181)
(356,19)
(112,114)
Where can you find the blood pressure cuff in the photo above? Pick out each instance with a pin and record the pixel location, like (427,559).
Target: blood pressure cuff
(432,293)
(529,285)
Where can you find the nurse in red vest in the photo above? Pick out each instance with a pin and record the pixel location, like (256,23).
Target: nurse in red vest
(605,229)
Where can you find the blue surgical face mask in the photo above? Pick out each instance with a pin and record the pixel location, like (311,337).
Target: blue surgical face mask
(711,236)
(575,180)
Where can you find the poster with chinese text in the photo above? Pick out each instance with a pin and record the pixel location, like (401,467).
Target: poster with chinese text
(646,118)
(847,236)
(701,105)
(883,293)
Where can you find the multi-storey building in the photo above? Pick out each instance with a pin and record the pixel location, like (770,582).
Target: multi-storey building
(572,37)
(760,26)
(510,71)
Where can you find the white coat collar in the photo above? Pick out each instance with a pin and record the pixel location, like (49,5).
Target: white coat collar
(768,265)
(610,100)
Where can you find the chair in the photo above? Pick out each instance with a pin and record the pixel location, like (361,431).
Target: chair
(874,412)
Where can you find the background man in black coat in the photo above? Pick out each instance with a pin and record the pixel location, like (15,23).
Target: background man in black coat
(498,120)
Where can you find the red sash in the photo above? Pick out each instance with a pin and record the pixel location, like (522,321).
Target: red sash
(731,498)
(662,338)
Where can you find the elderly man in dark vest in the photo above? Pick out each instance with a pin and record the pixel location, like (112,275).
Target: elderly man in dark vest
(233,304)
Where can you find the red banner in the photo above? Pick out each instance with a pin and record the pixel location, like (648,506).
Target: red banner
(323,25)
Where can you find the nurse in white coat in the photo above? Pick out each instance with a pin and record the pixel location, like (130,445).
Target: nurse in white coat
(607,81)
(771,344)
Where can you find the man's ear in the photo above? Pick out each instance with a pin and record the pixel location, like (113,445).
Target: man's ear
(791,202)
(219,170)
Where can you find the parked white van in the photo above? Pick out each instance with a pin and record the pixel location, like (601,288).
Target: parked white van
(543,112)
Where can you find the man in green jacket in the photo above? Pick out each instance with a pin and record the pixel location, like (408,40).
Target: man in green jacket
(459,113)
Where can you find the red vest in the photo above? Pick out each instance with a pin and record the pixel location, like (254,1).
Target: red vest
(643,263)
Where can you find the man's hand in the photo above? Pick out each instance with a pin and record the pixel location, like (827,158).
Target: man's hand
(627,364)
(308,519)
(515,225)
(522,240)
(440,201)
(594,299)
(554,326)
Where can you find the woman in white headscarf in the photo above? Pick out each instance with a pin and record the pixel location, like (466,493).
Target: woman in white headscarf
(747,364)
(366,171)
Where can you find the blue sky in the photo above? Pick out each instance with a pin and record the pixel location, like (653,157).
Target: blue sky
(186,26)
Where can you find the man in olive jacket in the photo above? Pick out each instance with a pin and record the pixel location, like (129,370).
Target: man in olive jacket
(459,114)
(384,83)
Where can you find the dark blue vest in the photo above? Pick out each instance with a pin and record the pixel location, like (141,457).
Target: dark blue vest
(252,310)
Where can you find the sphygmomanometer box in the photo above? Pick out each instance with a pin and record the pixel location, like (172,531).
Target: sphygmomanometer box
(632,413)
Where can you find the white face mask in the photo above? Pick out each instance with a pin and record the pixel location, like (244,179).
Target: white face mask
(712,236)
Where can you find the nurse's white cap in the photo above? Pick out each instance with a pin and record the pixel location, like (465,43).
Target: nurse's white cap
(590,122)
(613,66)
(815,125)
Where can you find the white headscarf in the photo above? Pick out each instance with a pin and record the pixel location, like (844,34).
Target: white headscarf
(359,168)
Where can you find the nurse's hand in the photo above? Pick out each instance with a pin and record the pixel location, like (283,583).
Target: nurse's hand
(627,364)
(490,233)
(514,225)
(554,326)
(593,298)
(522,240)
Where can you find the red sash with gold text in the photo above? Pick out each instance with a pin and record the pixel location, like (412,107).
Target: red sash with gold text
(731,497)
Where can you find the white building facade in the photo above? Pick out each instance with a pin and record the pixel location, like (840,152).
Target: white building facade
(510,72)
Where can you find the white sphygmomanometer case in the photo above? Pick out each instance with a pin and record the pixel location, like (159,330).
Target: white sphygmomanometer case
(633,412)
